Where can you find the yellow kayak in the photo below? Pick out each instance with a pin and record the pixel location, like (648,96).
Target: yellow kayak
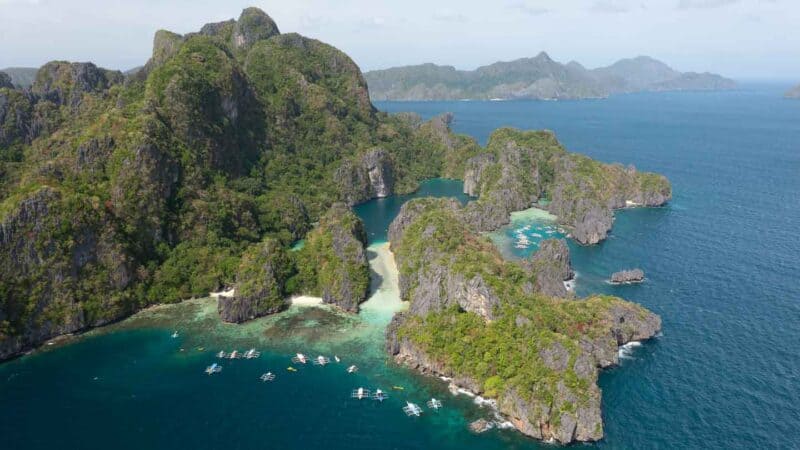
(291,369)
(398,388)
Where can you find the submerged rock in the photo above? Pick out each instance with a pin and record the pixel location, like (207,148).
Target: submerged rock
(480,425)
(628,276)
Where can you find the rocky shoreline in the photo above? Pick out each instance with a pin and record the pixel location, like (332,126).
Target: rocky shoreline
(443,291)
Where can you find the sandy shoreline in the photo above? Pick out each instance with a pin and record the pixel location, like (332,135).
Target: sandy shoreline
(305,300)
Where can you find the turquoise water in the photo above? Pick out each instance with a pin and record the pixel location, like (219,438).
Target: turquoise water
(721,264)
(377,214)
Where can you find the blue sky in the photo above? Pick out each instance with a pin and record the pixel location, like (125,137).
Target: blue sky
(738,38)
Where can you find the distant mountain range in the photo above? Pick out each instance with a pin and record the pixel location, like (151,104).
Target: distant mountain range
(535,78)
(21,76)
(793,92)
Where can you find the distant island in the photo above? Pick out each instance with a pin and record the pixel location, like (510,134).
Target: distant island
(538,78)
(793,92)
(21,76)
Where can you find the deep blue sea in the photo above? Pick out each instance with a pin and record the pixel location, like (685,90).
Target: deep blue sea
(721,262)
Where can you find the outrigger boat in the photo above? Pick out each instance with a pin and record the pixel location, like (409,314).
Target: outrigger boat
(360,393)
(252,353)
(221,354)
(269,376)
(300,358)
(352,369)
(175,334)
(434,404)
(379,395)
(214,368)
(411,409)
(234,355)
(321,360)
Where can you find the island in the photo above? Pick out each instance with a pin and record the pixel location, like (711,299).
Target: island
(539,78)
(201,170)
(628,276)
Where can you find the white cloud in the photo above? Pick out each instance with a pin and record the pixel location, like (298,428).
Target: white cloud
(704,4)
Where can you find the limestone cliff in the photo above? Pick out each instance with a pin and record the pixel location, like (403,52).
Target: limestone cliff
(536,355)
(551,268)
(524,167)
(333,262)
(260,287)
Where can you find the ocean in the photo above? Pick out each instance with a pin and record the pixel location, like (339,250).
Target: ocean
(721,261)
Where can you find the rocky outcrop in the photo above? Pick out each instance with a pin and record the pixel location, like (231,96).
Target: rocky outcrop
(5,81)
(65,83)
(628,276)
(333,262)
(523,167)
(260,284)
(475,168)
(369,176)
(380,171)
(480,425)
(253,25)
(471,312)
(551,267)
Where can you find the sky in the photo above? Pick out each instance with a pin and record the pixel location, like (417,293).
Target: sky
(744,39)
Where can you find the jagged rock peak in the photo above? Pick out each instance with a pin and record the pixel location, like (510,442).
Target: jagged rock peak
(253,25)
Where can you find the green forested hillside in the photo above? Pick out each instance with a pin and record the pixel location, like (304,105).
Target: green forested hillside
(116,193)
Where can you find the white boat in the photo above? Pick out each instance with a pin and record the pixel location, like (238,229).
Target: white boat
(214,368)
(434,404)
(269,376)
(300,359)
(321,360)
(221,354)
(412,409)
(252,353)
(336,358)
(175,334)
(352,369)
(234,355)
(360,393)
(379,395)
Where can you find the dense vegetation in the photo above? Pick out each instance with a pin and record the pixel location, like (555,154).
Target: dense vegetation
(532,348)
(118,193)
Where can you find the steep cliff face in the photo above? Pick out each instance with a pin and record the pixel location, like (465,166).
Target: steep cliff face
(67,276)
(551,268)
(537,355)
(333,262)
(367,176)
(582,192)
(260,287)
